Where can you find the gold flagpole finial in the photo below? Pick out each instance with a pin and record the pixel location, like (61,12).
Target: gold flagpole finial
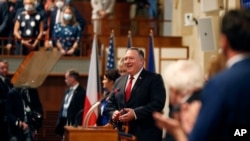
(151,31)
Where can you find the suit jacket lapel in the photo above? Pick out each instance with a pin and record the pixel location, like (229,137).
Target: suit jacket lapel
(74,95)
(4,86)
(123,84)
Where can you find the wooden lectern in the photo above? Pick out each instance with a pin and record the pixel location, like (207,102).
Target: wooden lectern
(90,134)
(98,133)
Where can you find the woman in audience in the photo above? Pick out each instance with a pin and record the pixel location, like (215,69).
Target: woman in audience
(108,82)
(68,33)
(28,28)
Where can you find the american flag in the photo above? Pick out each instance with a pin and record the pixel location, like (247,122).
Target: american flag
(111,55)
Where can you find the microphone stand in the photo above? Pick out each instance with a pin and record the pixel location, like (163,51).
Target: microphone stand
(94,106)
(89,113)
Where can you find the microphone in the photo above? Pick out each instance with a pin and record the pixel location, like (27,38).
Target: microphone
(77,117)
(115,91)
(92,108)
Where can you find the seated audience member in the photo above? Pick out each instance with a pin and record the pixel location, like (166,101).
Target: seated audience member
(122,67)
(108,82)
(68,33)
(28,28)
(185,80)
(56,16)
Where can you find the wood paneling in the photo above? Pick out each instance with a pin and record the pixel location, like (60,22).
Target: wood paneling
(143,41)
(85,9)
(52,91)
(90,134)
(51,95)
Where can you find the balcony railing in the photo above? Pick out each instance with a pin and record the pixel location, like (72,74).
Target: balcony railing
(138,27)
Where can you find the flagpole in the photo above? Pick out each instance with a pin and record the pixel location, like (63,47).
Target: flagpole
(114,47)
(130,44)
(150,61)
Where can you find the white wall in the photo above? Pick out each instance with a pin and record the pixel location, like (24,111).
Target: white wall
(190,34)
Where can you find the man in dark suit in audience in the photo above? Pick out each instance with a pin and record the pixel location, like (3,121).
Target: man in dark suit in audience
(226,96)
(5,86)
(72,104)
(141,93)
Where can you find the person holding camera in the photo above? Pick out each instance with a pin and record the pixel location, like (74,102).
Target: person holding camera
(24,112)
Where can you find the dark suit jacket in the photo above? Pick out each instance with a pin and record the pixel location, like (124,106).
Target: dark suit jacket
(76,105)
(3,96)
(15,108)
(80,19)
(4,89)
(148,95)
(225,105)
(4,19)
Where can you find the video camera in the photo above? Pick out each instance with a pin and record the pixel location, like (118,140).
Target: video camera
(35,119)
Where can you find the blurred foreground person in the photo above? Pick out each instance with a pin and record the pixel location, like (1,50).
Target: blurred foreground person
(185,80)
(225,97)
